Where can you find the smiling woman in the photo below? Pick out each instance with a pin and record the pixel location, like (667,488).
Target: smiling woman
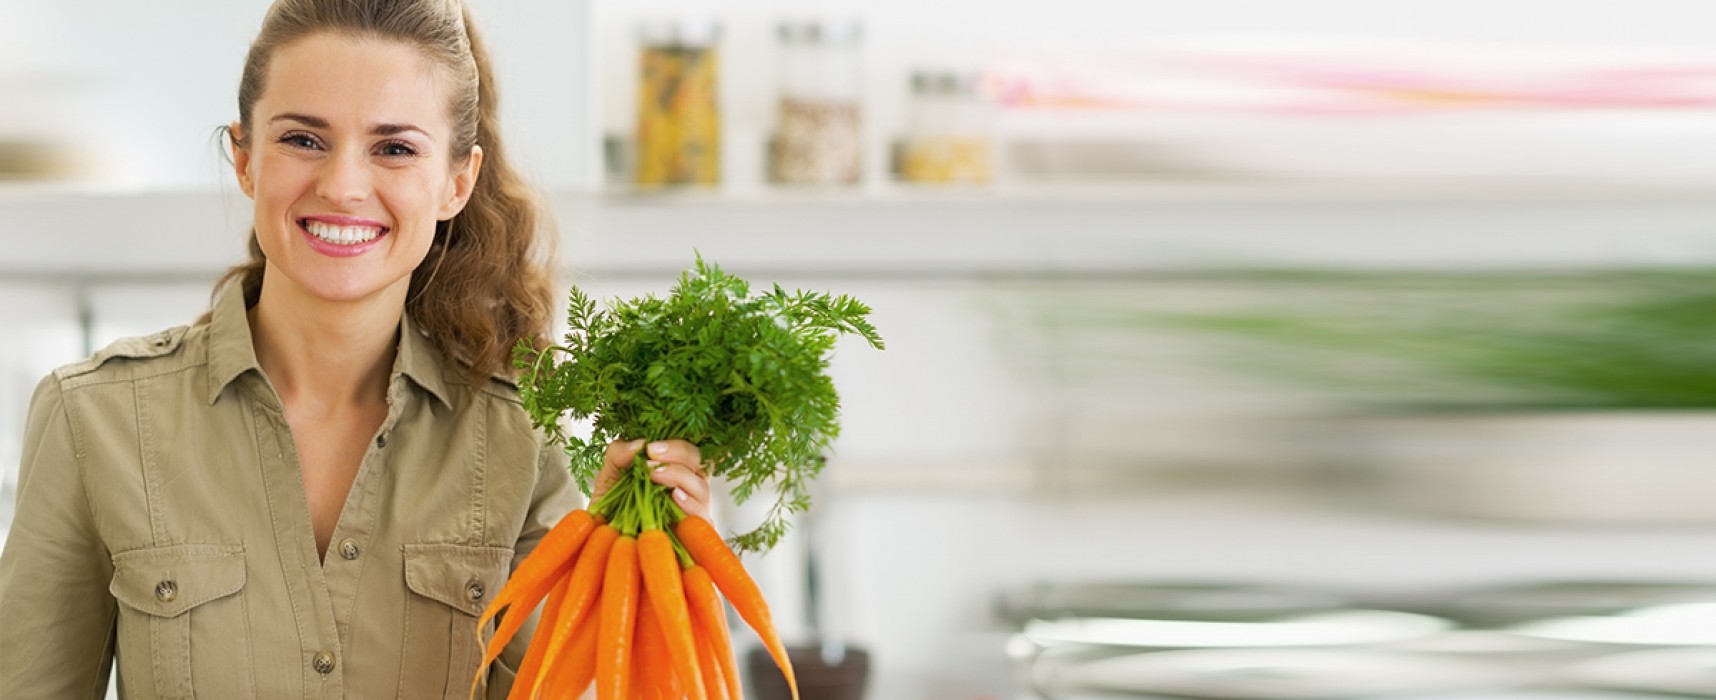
(352,168)
(315,490)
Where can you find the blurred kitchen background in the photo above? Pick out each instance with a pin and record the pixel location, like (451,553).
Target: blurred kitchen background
(1236,349)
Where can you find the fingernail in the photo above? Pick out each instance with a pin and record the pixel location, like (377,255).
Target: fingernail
(679,495)
(634,445)
(654,464)
(658,469)
(656,448)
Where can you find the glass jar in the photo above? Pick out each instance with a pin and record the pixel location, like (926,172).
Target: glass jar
(818,135)
(949,132)
(679,118)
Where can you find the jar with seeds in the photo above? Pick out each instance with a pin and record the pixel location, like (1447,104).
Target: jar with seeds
(818,136)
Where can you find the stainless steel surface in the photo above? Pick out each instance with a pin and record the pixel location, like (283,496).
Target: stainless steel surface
(1562,640)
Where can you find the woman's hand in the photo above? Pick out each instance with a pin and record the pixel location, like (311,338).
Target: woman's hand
(674,463)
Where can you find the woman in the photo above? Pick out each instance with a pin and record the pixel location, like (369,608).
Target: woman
(315,490)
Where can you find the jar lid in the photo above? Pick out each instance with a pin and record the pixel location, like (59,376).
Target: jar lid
(932,81)
(820,31)
(681,32)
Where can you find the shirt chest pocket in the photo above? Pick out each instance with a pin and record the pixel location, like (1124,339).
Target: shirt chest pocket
(450,586)
(181,622)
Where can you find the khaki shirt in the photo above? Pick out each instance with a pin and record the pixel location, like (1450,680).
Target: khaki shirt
(161,521)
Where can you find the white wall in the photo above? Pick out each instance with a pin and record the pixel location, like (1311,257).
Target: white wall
(143,85)
(147,84)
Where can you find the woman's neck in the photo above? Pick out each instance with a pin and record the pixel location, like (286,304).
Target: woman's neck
(325,356)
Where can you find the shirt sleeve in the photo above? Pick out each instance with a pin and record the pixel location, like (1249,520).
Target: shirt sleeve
(554,497)
(57,641)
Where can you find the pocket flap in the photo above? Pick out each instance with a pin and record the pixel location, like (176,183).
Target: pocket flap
(464,578)
(167,581)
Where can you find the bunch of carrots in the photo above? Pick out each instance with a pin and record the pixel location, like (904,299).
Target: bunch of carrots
(631,605)
(632,586)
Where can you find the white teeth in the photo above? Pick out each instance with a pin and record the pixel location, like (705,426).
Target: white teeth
(341,235)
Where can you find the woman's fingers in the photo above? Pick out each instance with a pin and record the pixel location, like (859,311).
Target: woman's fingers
(619,456)
(673,463)
(679,464)
(690,487)
(677,452)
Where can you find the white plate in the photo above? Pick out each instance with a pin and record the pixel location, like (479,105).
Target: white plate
(1286,674)
(1340,628)
(1690,671)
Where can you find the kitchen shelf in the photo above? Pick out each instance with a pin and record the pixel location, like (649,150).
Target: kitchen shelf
(890,231)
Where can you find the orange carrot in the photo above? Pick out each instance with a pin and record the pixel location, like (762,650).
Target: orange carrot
(532,665)
(619,608)
(652,668)
(573,674)
(709,664)
(533,579)
(710,617)
(552,552)
(582,592)
(708,549)
(660,566)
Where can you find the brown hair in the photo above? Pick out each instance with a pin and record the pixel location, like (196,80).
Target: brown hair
(485,281)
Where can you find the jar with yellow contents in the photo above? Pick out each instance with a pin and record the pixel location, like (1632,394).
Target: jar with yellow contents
(948,139)
(678,118)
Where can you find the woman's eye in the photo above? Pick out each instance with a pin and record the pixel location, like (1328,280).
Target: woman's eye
(397,149)
(299,141)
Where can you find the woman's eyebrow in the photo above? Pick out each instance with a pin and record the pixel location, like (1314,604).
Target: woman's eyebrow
(393,129)
(320,123)
(306,120)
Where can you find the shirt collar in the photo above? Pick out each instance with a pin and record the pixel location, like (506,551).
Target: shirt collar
(231,352)
(420,360)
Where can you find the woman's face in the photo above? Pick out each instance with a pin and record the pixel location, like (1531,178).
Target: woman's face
(349,165)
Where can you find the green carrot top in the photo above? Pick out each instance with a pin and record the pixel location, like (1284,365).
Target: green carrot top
(742,376)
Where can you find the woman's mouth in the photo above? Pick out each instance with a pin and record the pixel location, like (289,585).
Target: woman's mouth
(341,235)
(340,238)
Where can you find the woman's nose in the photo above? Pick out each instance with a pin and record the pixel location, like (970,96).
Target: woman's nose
(344,179)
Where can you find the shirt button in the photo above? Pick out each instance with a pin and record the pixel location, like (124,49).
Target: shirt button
(166,591)
(474,589)
(323,663)
(349,549)
(381,441)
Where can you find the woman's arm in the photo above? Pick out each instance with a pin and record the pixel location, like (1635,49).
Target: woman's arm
(57,637)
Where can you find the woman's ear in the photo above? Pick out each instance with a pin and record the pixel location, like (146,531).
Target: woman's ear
(464,182)
(240,158)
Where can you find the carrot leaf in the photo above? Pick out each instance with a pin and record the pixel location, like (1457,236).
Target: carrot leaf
(742,375)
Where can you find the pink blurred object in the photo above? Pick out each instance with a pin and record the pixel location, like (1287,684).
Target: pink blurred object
(1337,78)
